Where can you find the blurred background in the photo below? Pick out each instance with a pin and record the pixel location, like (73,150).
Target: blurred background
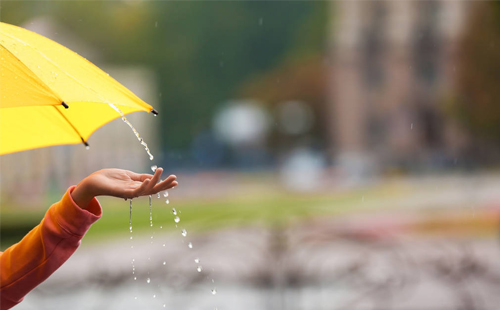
(330,154)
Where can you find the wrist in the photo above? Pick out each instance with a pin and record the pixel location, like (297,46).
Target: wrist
(82,194)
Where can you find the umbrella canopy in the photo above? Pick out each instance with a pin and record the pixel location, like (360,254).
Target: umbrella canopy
(49,95)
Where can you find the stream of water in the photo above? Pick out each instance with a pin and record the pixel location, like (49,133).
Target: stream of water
(184,232)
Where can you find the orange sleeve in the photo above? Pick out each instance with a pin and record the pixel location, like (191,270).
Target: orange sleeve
(28,263)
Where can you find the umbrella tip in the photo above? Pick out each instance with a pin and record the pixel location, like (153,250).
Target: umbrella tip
(154,112)
(87,146)
(65,105)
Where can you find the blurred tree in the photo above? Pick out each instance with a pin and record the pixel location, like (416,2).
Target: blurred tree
(201,51)
(300,76)
(478,72)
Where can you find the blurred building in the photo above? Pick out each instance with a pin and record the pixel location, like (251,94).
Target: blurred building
(393,68)
(27,177)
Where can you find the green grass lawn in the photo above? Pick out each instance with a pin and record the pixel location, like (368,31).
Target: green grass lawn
(271,208)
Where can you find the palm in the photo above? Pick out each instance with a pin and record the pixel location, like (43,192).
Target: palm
(127,184)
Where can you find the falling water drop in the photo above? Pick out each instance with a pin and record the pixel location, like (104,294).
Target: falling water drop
(148,280)
(154,167)
(154,296)
(199,268)
(190,245)
(184,233)
(136,133)
(87,147)
(164,263)
(135,278)
(214,291)
(197,260)
(158,195)
(177,219)
(150,213)
(174,211)
(165,194)
(131,237)
(130,217)
(167,202)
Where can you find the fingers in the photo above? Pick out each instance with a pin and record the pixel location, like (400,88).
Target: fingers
(139,177)
(141,189)
(150,185)
(166,184)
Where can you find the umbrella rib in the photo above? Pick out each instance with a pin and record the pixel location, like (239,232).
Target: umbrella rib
(37,78)
(74,128)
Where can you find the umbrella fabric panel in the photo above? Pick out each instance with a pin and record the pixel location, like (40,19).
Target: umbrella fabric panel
(87,117)
(70,76)
(27,128)
(19,86)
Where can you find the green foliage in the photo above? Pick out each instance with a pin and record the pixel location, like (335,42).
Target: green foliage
(478,72)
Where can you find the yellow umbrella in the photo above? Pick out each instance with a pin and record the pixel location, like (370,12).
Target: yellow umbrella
(49,95)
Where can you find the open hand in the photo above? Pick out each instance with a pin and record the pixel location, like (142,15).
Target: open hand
(120,183)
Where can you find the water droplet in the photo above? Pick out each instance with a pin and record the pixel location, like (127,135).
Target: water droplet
(130,228)
(154,296)
(197,260)
(151,237)
(213,281)
(131,237)
(214,291)
(184,233)
(135,297)
(164,244)
(167,202)
(131,246)
(165,194)
(177,219)
(161,227)
(154,167)
(135,278)
(148,280)
(199,268)
(164,263)
(190,245)
(174,211)
(164,305)
(158,195)
(87,147)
